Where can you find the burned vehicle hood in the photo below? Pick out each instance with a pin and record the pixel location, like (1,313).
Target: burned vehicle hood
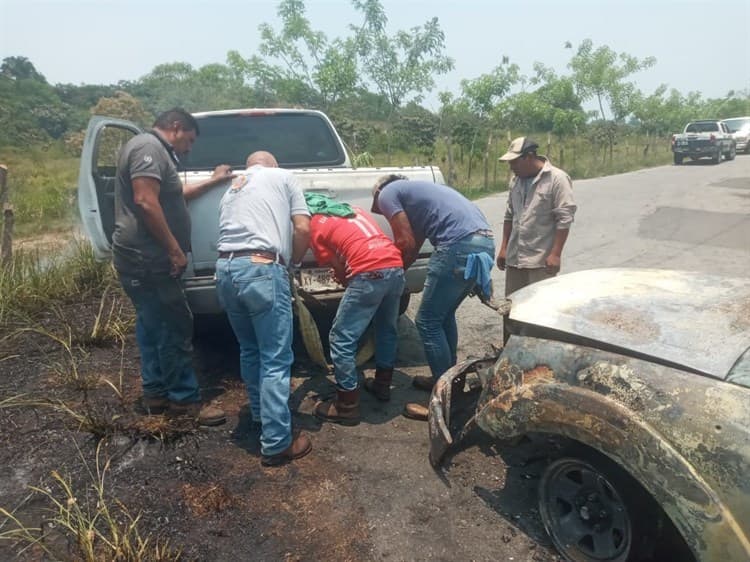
(694,321)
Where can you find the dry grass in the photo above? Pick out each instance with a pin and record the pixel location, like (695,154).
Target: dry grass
(204,499)
(87,527)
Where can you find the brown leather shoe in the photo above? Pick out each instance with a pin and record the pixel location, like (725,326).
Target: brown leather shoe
(380,386)
(206,415)
(301,445)
(343,409)
(423,382)
(415,411)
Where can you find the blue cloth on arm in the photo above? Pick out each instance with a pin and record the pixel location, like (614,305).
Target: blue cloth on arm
(479,268)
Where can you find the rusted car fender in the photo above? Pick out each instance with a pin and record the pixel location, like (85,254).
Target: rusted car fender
(540,404)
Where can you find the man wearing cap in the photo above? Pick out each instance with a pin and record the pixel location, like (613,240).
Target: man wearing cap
(459,232)
(538,216)
(264,226)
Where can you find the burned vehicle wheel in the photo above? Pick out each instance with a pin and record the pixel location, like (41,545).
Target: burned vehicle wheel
(585,512)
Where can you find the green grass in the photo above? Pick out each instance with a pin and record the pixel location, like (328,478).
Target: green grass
(41,185)
(33,281)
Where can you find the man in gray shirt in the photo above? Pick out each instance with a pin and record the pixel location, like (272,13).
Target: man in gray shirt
(538,217)
(150,240)
(264,225)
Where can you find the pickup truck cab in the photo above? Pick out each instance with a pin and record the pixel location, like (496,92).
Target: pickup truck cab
(303,141)
(704,139)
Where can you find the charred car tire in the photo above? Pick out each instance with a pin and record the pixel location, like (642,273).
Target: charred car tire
(593,511)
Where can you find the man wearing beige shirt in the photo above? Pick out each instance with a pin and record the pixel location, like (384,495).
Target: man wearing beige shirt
(538,216)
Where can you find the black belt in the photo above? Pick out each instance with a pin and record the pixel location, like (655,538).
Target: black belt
(257,253)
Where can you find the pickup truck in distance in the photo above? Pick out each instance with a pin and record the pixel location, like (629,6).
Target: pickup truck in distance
(704,139)
(303,141)
(740,129)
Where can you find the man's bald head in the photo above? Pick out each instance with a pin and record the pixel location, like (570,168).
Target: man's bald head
(262,158)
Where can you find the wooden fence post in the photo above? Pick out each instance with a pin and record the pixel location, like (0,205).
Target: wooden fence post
(487,162)
(6,251)
(508,173)
(451,167)
(549,145)
(495,159)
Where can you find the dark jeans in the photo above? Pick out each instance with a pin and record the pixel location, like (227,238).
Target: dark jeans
(164,331)
(372,296)
(444,289)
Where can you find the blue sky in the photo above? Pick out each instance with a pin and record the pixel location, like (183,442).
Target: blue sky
(699,45)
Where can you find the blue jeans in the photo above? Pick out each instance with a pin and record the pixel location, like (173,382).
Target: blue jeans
(164,331)
(374,295)
(258,302)
(444,290)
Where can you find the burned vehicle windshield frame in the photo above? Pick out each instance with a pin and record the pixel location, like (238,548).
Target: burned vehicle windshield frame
(297,140)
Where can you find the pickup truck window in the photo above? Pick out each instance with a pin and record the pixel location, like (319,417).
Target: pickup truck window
(297,140)
(703,127)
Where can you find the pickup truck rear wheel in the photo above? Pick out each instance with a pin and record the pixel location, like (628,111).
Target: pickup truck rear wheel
(677,159)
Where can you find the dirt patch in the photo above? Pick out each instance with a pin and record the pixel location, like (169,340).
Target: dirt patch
(364,493)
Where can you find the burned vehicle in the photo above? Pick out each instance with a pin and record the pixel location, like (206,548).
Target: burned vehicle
(647,374)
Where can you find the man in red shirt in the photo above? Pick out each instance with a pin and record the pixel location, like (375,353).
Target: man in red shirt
(369,265)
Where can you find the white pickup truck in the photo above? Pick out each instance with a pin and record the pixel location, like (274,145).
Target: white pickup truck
(304,141)
(704,139)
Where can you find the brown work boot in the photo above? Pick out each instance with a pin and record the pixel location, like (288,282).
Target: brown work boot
(301,445)
(343,409)
(415,411)
(423,382)
(380,386)
(151,405)
(206,415)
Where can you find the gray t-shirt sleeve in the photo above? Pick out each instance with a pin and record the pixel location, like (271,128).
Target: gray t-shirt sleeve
(297,203)
(144,162)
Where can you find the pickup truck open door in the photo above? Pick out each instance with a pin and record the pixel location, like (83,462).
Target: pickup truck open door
(104,139)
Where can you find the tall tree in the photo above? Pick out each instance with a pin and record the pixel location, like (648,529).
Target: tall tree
(484,92)
(601,73)
(213,86)
(302,60)
(403,66)
(20,68)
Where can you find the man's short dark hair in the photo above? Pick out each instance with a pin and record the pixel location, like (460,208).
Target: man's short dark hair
(179,115)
